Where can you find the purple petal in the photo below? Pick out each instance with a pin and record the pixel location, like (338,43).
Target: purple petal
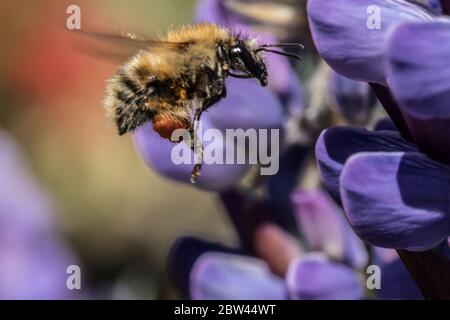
(247,105)
(24,202)
(33,257)
(341,33)
(314,277)
(325,229)
(212,11)
(157,151)
(397,200)
(35,270)
(418,71)
(336,145)
(220,276)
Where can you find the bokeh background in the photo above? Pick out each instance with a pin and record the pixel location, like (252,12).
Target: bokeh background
(73,192)
(117,216)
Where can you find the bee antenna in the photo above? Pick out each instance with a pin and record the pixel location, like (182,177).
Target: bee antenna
(283,45)
(281,53)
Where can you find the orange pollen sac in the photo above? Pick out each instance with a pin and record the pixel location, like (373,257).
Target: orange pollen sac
(166,125)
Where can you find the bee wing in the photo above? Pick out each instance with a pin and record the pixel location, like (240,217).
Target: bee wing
(123,46)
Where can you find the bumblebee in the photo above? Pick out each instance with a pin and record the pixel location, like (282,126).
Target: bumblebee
(172,81)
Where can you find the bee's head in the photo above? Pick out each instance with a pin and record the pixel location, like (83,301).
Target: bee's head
(247,61)
(246,57)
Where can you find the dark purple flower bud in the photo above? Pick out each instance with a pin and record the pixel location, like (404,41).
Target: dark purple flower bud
(315,277)
(350,34)
(396,199)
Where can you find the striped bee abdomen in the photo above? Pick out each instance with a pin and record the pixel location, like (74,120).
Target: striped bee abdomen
(127,101)
(135,96)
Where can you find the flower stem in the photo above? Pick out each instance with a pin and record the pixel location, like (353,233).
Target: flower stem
(390,105)
(246,216)
(445,4)
(430,271)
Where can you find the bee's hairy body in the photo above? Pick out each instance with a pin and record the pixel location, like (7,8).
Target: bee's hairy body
(160,85)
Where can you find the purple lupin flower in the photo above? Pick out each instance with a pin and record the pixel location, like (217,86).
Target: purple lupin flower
(316,277)
(336,145)
(282,270)
(390,204)
(335,254)
(227,276)
(33,257)
(394,192)
(342,36)
(360,186)
(214,274)
(204,270)
(418,74)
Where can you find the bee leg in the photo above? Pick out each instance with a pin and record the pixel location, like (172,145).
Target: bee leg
(240,76)
(219,91)
(216,91)
(224,60)
(196,146)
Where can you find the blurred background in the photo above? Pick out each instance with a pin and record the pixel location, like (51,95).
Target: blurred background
(117,216)
(73,192)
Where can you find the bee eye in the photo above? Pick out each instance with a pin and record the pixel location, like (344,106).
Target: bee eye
(235,52)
